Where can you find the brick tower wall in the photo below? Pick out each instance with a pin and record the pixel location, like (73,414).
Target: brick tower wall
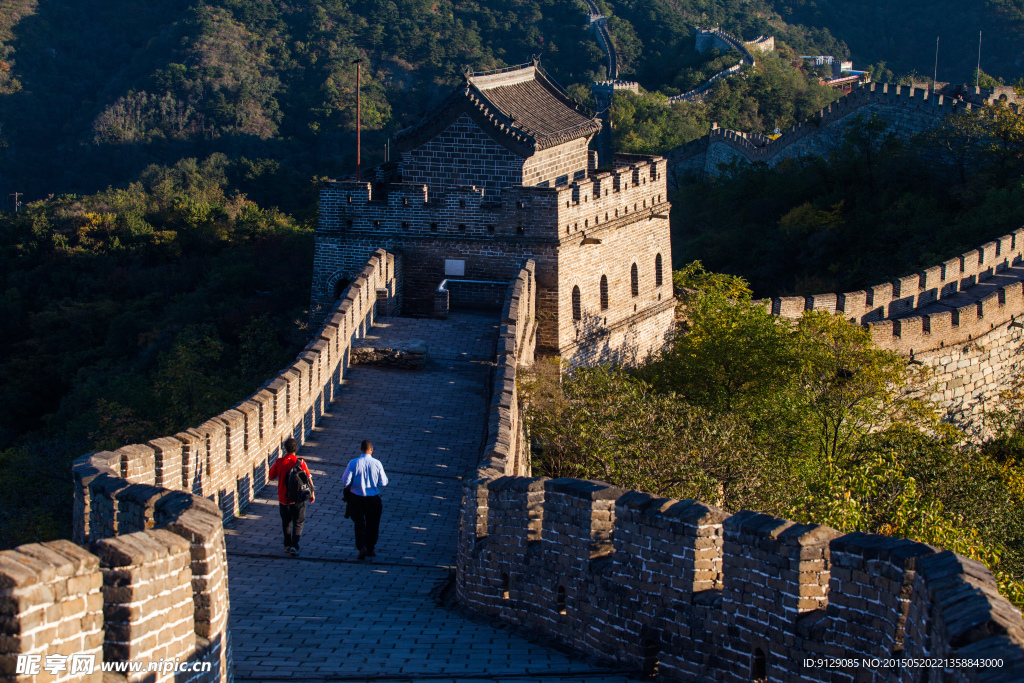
(625,208)
(463,154)
(559,165)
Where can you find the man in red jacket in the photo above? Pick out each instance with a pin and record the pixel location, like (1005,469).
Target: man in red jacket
(293,514)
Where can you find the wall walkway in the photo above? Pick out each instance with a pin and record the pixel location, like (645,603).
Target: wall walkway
(348,620)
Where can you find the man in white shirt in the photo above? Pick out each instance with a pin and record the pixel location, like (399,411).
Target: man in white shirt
(366,477)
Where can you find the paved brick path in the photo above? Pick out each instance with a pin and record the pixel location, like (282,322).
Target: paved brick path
(328,617)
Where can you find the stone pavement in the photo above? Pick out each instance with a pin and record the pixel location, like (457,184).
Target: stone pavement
(328,617)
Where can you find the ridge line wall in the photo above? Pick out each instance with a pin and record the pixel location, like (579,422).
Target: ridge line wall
(910,109)
(958,318)
(891,310)
(761,43)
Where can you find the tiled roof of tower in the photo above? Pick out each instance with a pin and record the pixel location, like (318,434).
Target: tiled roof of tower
(520,108)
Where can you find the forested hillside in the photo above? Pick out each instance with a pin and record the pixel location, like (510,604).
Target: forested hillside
(92,92)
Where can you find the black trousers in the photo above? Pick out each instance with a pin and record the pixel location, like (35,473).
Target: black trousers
(293,516)
(365,512)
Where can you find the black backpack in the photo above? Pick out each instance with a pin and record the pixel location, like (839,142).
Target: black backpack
(298,484)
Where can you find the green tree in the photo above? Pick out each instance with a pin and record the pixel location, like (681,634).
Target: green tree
(850,387)
(186,378)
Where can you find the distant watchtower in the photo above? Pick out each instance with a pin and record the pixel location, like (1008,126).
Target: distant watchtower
(499,173)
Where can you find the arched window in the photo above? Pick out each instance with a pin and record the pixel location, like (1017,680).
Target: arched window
(577,313)
(604,292)
(634,280)
(657,270)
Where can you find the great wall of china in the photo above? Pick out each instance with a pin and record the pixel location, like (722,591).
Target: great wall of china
(656,585)
(148,576)
(599,24)
(717,38)
(695,593)
(958,318)
(907,109)
(676,586)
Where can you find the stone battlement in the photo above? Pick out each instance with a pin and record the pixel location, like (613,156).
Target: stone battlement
(693,593)
(148,594)
(153,582)
(698,594)
(944,305)
(918,110)
(635,184)
(226,458)
(958,318)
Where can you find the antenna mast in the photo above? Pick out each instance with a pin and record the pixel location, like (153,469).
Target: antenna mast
(977,76)
(358,63)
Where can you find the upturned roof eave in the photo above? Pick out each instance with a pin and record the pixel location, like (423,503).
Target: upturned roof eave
(459,102)
(498,126)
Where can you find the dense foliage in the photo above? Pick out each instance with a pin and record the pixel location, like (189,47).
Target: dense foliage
(805,420)
(274,82)
(132,314)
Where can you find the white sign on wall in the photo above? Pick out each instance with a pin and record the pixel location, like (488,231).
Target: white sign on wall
(454,267)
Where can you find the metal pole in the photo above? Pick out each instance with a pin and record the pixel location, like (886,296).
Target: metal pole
(358,63)
(977,80)
(936,76)
(17,204)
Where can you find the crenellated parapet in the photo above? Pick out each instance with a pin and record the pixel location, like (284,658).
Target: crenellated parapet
(635,184)
(944,305)
(908,110)
(694,593)
(698,594)
(226,458)
(959,317)
(147,580)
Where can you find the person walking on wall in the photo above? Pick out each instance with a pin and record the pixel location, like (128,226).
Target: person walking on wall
(363,480)
(292,504)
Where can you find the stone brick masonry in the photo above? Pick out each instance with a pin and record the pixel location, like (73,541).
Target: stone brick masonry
(600,225)
(673,586)
(696,594)
(154,585)
(463,154)
(959,318)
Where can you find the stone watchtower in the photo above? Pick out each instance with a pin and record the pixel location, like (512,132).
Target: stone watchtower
(498,174)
